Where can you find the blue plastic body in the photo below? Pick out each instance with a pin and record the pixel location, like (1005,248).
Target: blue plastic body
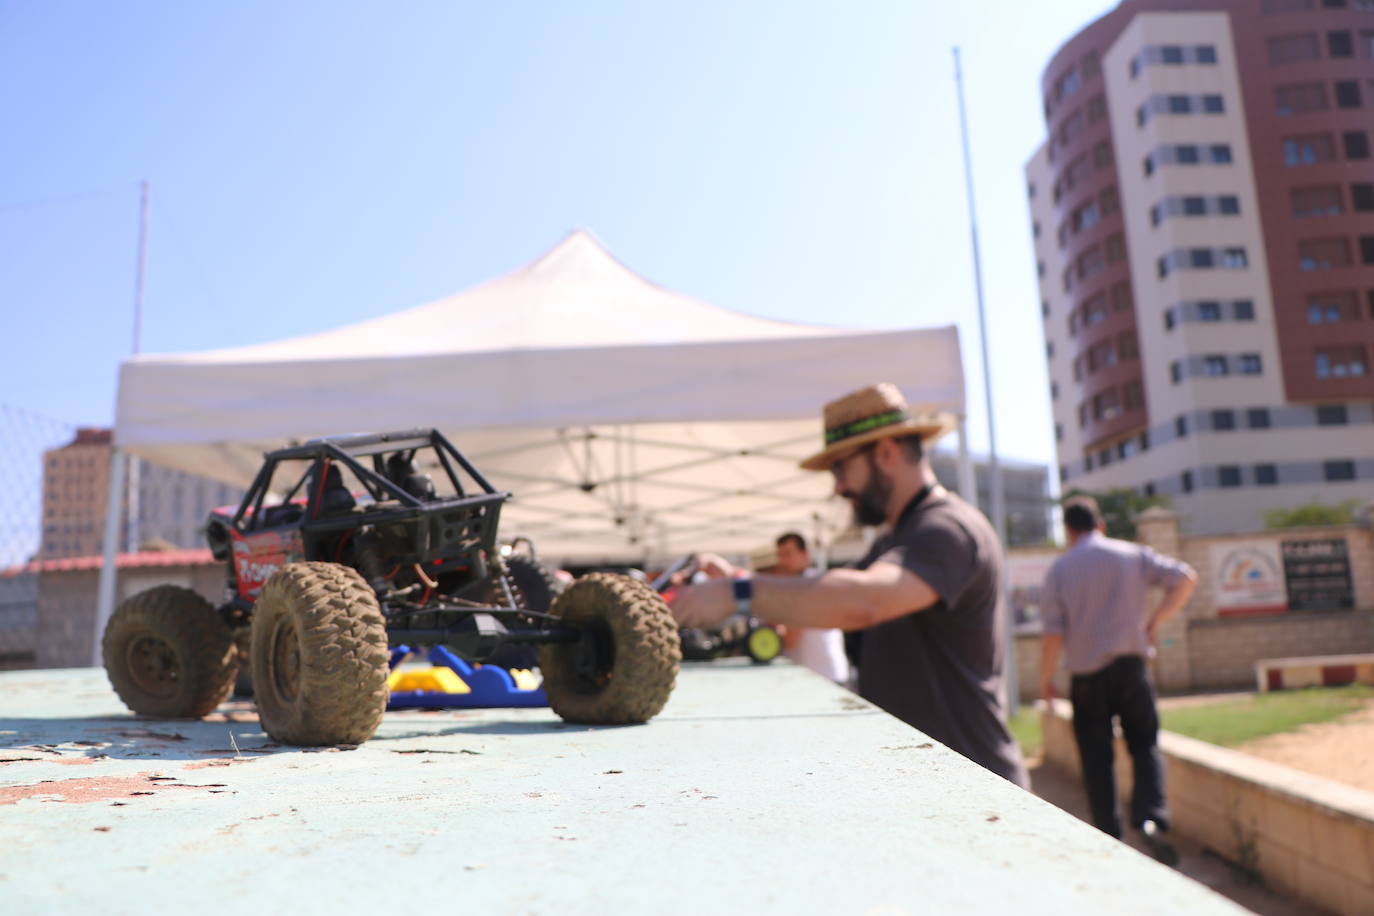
(492,686)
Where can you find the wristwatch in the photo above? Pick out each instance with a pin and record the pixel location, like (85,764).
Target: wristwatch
(744,594)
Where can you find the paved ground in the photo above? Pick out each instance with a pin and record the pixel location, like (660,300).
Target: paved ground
(1195,862)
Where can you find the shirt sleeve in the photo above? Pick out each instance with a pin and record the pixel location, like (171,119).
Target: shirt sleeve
(943,556)
(1051,605)
(1162,571)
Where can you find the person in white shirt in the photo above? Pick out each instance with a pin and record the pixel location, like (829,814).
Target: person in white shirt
(821,650)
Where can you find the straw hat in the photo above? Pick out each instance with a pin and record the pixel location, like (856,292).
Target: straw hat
(869,414)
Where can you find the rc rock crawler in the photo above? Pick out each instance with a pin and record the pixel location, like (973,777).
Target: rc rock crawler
(326,577)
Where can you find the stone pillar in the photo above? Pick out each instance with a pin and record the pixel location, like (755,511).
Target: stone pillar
(1157,527)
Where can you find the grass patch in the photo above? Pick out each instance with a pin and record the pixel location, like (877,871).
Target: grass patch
(1025,728)
(1232,722)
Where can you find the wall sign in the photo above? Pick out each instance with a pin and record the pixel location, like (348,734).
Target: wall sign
(1248,577)
(1318,575)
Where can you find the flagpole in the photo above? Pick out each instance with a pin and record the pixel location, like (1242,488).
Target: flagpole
(997,503)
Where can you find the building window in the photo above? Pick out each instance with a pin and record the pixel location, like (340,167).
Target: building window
(1266,475)
(1122,301)
(1187,480)
(1214,365)
(1097,109)
(1348,94)
(1367,249)
(1209,311)
(1287,49)
(1250,364)
(1228,475)
(1299,98)
(1340,44)
(1332,307)
(1362,197)
(1243,309)
(1323,254)
(1175,372)
(1169,319)
(1321,200)
(1308,149)
(1356,144)
(1181,426)
(1223,420)
(1257,418)
(1331,415)
(1338,470)
(1340,362)
(1134,395)
(1102,155)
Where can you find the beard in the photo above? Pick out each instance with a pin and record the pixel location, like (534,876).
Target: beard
(870,504)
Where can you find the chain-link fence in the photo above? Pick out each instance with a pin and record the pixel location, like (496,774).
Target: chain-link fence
(24,437)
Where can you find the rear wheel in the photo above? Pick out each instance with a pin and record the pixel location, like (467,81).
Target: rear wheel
(623,668)
(319,656)
(534,587)
(535,581)
(168,653)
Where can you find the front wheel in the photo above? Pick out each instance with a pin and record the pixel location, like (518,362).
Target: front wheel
(319,656)
(624,666)
(168,653)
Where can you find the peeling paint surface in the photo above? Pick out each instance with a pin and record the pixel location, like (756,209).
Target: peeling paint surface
(758,788)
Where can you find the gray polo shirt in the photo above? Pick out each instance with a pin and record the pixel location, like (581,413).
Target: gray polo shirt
(1094,596)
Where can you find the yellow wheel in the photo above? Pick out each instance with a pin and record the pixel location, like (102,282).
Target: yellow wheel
(764,644)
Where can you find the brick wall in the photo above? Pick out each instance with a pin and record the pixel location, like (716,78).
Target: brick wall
(1306,837)
(1223,652)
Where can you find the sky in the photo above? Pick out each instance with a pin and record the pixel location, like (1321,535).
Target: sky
(315,164)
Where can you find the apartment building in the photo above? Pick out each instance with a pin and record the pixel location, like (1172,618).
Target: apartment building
(171,506)
(1203,219)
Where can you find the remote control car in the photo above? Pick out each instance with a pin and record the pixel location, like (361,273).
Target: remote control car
(342,548)
(739,634)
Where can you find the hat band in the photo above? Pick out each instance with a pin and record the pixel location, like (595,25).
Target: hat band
(858,427)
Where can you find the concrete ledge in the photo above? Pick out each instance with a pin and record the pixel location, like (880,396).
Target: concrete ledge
(1305,836)
(1314,671)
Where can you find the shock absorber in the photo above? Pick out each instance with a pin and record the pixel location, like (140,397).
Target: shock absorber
(370,562)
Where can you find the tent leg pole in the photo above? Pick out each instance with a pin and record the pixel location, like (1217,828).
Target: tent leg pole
(104,603)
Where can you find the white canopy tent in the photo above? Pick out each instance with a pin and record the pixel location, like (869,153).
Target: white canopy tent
(629,421)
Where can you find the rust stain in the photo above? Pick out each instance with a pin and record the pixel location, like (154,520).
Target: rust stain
(231,715)
(218,762)
(89,789)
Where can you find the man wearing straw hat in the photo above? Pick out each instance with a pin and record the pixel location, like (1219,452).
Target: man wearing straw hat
(926,594)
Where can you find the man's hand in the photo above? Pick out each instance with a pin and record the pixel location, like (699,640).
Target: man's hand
(715,566)
(706,605)
(1152,631)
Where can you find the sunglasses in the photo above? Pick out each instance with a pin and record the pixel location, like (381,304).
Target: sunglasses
(837,468)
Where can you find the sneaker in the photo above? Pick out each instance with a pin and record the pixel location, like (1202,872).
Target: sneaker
(1159,847)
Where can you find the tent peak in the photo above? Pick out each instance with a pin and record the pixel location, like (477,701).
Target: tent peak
(580,251)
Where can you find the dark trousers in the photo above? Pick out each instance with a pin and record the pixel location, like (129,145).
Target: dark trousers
(1121,690)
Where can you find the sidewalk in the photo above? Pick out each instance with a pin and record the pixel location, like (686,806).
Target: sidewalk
(1195,862)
